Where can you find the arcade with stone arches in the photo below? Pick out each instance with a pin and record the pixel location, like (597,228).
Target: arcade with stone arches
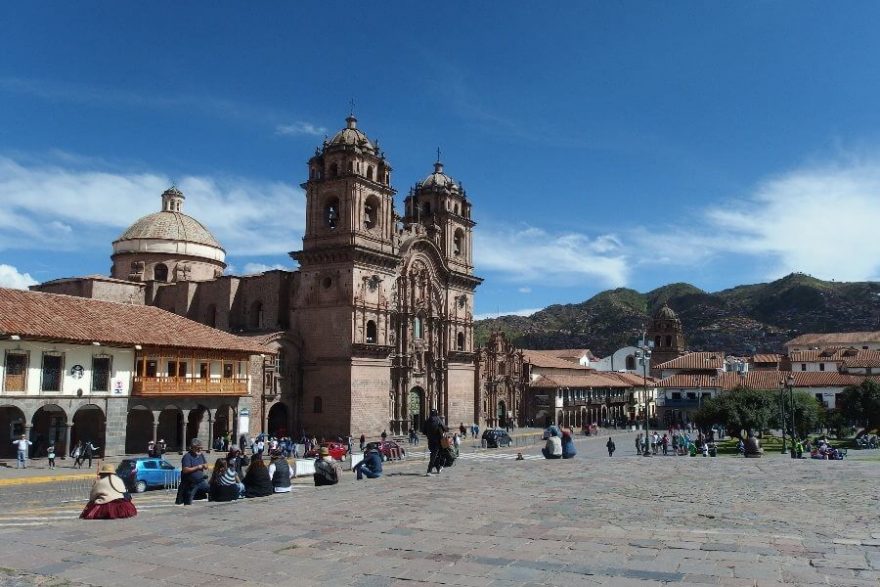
(57,422)
(176,421)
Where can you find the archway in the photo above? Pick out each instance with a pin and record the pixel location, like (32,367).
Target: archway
(11,428)
(278,421)
(138,430)
(170,420)
(48,427)
(416,407)
(194,425)
(502,414)
(559,418)
(89,424)
(160,272)
(223,419)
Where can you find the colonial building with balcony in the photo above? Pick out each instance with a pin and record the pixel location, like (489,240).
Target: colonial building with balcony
(119,375)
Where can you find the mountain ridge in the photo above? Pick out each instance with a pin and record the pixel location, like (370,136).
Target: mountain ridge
(742,320)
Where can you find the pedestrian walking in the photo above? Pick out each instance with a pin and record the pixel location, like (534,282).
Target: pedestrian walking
(639,444)
(21,449)
(50,453)
(76,455)
(610,446)
(89,451)
(434,429)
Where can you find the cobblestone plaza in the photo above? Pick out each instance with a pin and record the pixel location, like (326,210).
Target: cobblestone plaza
(494,521)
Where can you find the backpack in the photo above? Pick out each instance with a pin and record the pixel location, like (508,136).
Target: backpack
(325,473)
(446,441)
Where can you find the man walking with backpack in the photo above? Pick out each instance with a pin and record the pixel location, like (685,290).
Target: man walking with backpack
(434,429)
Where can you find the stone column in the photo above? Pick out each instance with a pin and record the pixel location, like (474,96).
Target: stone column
(210,443)
(156,427)
(67,447)
(183,421)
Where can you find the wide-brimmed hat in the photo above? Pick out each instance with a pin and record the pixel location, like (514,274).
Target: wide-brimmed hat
(324,452)
(106,469)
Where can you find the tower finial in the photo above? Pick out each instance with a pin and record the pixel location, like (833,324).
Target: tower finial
(438,154)
(351,107)
(438,166)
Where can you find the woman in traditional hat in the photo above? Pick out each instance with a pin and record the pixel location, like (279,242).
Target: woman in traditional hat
(109,498)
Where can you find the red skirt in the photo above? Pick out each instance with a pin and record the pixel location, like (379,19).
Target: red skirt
(118,508)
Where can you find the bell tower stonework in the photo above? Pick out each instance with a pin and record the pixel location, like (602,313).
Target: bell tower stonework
(382,305)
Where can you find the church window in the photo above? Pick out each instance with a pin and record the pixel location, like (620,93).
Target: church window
(350,167)
(371,212)
(458,243)
(426,208)
(657,340)
(160,272)
(460,341)
(257,315)
(326,282)
(370,172)
(630,363)
(668,340)
(456,208)
(417,327)
(331,213)
(317,405)
(334,170)
(371,332)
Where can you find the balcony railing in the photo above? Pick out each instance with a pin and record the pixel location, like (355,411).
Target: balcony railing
(678,403)
(161,386)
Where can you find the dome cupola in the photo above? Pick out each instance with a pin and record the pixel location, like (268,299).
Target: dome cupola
(168,246)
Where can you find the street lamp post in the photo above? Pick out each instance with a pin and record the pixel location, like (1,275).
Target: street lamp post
(782,413)
(644,356)
(790,381)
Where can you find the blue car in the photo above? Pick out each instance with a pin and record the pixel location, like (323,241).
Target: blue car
(143,473)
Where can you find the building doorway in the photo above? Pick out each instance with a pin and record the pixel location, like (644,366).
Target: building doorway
(11,427)
(89,426)
(502,414)
(49,424)
(416,408)
(278,421)
(138,430)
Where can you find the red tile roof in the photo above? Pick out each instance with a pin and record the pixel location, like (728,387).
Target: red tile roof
(762,380)
(46,316)
(588,379)
(550,360)
(834,338)
(701,360)
(766,358)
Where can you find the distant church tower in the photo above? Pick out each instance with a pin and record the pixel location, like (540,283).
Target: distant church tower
(667,335)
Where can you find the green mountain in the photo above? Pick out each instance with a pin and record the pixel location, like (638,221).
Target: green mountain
(742,320)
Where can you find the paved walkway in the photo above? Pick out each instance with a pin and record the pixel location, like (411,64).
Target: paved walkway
(592,520)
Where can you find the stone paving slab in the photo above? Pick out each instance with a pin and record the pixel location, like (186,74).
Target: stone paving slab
(588,521)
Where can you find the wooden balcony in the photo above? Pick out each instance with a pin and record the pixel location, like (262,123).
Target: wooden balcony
(168,386)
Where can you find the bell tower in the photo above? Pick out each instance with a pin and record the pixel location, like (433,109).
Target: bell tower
(349,198)
(343,295)
(441,205)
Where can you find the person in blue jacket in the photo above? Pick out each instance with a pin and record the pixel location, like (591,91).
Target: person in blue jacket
(371,466)
(568,450)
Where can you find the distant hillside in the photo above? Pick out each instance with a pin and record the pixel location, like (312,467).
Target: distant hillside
(742,320)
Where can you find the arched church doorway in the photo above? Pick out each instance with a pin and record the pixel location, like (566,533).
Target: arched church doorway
(502,414)
(48,428)
(194,425)
(223,418)
(138,430)
(89,425)
(416,407)
(278,421)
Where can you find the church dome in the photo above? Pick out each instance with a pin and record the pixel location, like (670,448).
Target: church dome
(438,179)
(170,231)
(351,135)
(665,313)
(171,226)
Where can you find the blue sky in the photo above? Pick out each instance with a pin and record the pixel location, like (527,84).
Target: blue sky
(603,144)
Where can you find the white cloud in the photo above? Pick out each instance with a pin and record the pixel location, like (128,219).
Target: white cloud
(532,255)
(300,128)
(10,277)
(525,290)
(252,268)
(524,312)
(58,207)
(821,220)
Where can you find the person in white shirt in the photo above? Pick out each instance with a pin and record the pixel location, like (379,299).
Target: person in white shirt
(21,446)
(281,473)
(553,448)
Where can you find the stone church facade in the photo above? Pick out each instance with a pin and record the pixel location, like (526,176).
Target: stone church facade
(373,330)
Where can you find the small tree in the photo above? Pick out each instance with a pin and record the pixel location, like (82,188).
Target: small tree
(739,410)
(861,404)
(809,414)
